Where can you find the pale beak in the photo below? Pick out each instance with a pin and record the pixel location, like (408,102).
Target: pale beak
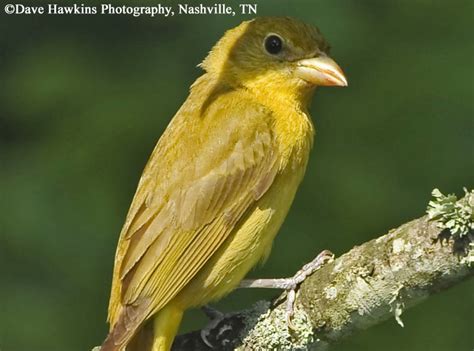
(321,71)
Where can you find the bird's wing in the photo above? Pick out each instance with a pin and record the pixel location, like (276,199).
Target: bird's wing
(202,176)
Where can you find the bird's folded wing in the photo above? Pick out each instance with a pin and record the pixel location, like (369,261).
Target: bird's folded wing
(203,175)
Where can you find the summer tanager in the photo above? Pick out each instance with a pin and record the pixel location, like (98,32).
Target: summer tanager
(220,180)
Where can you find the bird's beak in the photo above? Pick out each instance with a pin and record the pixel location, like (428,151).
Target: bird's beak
(321,71)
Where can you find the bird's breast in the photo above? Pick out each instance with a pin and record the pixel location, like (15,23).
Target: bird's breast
(294,136)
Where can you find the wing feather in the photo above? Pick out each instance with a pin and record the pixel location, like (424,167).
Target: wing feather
(189,199)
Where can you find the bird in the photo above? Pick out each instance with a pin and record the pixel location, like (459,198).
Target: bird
(220,180)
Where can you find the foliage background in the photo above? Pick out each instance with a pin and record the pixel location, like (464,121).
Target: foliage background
(83,100)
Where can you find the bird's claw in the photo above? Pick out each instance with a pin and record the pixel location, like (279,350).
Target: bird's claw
(215,318)
(290,285)
(324,257)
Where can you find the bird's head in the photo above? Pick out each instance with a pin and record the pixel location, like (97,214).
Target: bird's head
(274,54)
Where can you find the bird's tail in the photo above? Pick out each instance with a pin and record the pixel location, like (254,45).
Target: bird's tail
(157,334)
(130,321)
(143,340)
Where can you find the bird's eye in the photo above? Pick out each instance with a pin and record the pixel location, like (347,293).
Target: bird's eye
(273,44)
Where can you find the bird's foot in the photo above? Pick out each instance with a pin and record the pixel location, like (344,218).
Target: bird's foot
(215,317)
(290,284)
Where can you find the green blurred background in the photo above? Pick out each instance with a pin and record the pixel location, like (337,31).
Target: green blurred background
(83,100)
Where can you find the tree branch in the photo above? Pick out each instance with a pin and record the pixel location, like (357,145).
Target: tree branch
(365,286)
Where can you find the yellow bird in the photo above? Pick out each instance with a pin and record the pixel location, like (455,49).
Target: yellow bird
(220,180)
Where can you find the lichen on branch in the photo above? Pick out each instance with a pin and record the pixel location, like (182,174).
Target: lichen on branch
(455,216)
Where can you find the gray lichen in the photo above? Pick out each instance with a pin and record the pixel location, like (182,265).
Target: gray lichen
(269,330)
(469,258)
(397,306)
(455,216)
